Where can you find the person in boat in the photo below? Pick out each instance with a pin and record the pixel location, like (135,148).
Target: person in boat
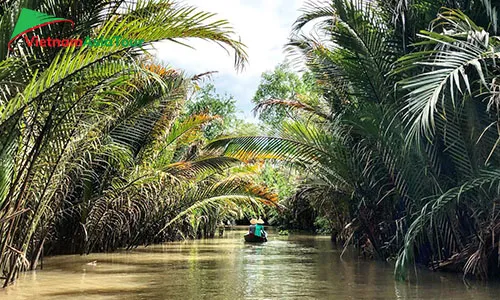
(253,223)
(259,229)
(256,233)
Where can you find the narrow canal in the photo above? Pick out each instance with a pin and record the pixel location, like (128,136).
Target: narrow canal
(290,267)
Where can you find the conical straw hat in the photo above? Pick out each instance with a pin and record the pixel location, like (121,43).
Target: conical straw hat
(260,221)
(253,221)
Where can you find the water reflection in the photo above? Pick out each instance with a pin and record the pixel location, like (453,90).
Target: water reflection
(295,267)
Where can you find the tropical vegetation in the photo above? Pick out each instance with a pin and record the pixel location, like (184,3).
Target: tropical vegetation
(388,138)
(96,149)
(400,149)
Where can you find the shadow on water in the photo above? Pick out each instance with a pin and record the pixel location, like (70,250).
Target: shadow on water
(293,267)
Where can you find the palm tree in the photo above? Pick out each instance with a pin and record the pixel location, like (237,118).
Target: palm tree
(409,143)
(451,102)
(76,125)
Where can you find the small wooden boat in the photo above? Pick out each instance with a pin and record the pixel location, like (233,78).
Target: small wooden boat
(252,238)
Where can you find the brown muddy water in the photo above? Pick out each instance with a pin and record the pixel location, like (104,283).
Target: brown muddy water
(289,267)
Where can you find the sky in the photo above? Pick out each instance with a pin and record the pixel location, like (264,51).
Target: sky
(263,26)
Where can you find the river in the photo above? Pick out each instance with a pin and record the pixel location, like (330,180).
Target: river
(286,267)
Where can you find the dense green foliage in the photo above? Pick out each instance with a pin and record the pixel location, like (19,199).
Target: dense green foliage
(282,85)
(402,148)
(393,133)
(208,101)
(93,152)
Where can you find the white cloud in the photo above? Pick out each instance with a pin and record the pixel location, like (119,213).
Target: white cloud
(263,26)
